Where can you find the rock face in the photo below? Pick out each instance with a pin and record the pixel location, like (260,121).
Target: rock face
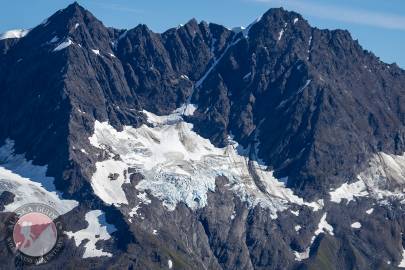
(322,104)
(309,105)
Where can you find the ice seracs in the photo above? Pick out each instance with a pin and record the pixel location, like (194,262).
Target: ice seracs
(178,165)
(97,230)
(143,197)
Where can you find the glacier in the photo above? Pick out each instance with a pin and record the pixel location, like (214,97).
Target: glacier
(180,166)
(28,182)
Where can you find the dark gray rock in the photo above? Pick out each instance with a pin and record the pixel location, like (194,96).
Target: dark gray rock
(314,101)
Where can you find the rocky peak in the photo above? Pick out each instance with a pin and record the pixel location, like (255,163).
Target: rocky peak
(309,105)
(296,80)
(192,25)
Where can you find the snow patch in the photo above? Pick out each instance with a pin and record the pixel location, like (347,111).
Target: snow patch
(134,212)
(356,225)
(97,229)
(170,264)
(309,47)
(200,81)
(297,228)
(238,29)
(295,213)
(370,211)
(63,45)
(76,25)
(16,33)
(123,35)
(28,182)
(323,227)
(295,20)
(97,52)
(348,192)
(247,76)
(305,86)
(245,30)
(54,39)
(186,109)
(233,215)
(45,22)
(144,200)
(402,263)
(280,34)
(110,191)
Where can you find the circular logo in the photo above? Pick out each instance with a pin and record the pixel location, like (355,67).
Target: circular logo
(35,235)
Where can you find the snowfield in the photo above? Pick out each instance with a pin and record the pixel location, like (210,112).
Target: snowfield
(97,229)
(28,182)
(17,33)
(180,166)
(380,180)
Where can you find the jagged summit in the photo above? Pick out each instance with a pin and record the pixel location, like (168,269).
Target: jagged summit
(74,10)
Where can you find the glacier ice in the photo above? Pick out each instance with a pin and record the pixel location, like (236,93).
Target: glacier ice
(180,166)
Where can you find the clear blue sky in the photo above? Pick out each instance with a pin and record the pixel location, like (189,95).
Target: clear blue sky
(378,25)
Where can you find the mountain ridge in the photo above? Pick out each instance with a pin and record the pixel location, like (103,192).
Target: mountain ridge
(281,98)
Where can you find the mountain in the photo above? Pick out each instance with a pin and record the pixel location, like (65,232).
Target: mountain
(278,146)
